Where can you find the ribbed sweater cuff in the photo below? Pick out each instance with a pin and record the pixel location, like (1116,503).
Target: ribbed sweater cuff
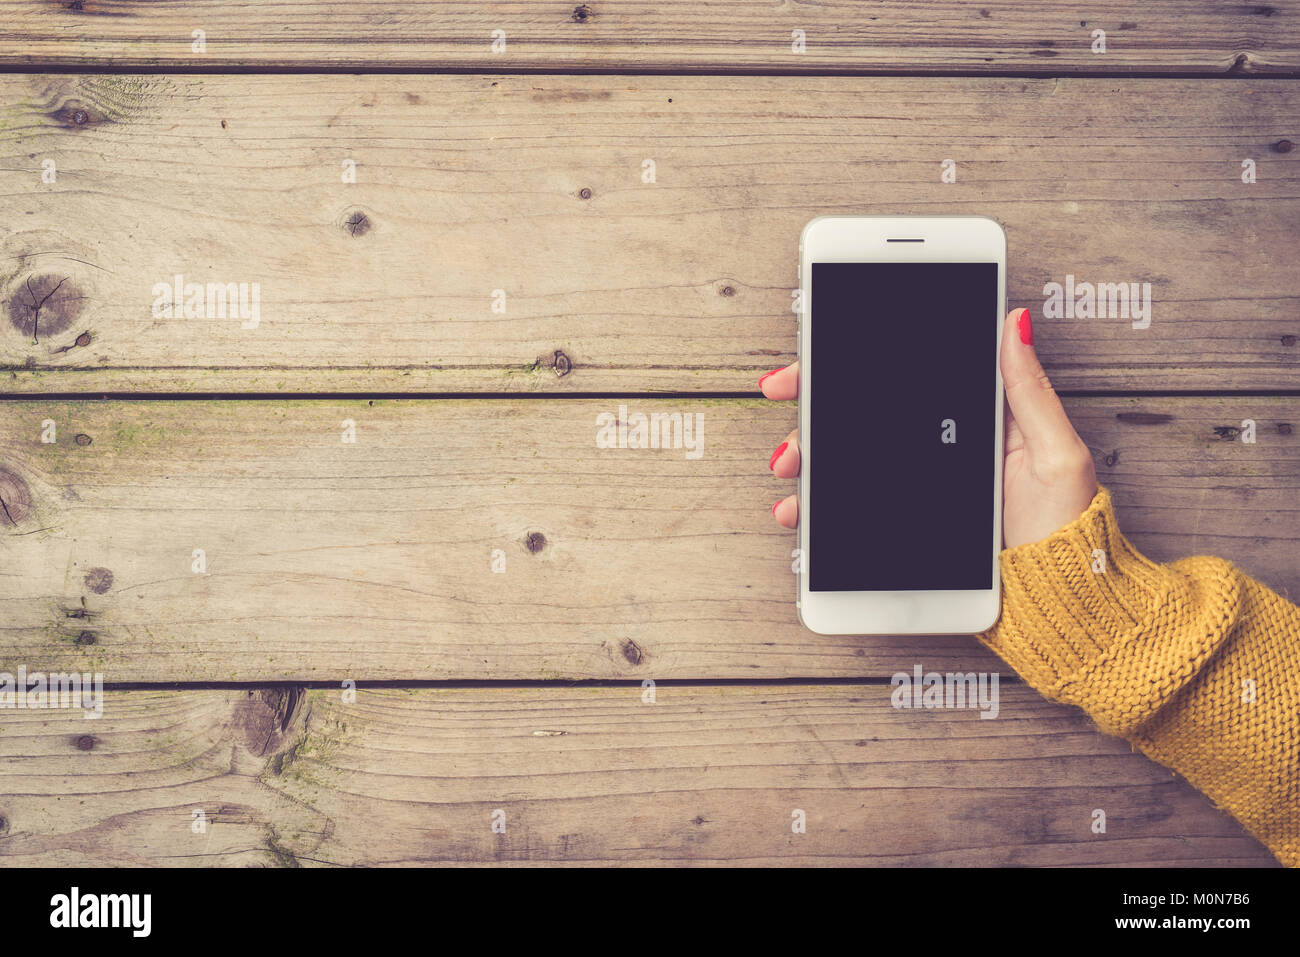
(1087,619)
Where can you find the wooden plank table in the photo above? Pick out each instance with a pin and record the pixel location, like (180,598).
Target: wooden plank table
(335,652)
(533,186)
(893,36)
(706,775)
(490,538)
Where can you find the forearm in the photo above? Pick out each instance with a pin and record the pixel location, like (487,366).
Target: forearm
(1193,662)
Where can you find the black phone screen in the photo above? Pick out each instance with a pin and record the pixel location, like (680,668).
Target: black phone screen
(902,417)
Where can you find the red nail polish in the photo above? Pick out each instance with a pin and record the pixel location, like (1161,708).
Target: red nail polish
(765,375)
(774,506)
(1026,327)
(771,465)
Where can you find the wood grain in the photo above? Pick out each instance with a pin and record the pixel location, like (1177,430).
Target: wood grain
(589,776)
(533,186)
(680,35)
(374,560)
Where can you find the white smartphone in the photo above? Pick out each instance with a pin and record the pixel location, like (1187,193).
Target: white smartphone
(900,424)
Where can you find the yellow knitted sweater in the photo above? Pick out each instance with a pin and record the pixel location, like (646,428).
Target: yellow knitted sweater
(1193,662)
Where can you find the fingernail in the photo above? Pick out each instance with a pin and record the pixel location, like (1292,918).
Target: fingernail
(775,504)
(771,465)
(765,375)
(1026,327)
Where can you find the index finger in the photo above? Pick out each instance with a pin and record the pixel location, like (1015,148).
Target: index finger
(781,383)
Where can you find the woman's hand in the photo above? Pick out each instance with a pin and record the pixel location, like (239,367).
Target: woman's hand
(1048,473)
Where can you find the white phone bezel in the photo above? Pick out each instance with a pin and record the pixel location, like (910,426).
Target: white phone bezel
(865,239)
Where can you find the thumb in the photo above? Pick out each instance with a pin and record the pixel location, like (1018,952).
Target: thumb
(1034,403)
